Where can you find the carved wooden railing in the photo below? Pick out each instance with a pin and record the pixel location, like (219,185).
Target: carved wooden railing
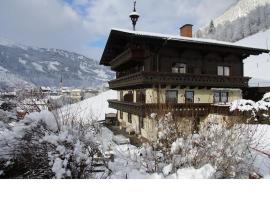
(150,78)
(185,110)
(129,54)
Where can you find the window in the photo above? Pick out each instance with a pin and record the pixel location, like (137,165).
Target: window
(121,115)
(220,97)
(129,118)
(140,96)
(175,70)
(180,68)
(171,96)
(189,96)
(226,71)
(224,97)
(220,70)
(223,71)
(128,97)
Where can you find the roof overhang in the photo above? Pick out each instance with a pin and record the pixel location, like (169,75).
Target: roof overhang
(118,40)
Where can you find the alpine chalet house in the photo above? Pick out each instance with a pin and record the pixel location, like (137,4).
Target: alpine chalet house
(157,73)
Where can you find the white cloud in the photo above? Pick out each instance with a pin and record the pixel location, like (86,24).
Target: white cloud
(56,24)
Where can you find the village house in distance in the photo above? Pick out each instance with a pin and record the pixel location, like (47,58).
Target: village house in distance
(157,73)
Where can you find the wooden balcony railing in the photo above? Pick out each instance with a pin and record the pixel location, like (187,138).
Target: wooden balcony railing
(184,110)
(127,55)
(154,78)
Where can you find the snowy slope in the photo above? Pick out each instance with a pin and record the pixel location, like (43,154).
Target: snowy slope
(244,18)
(258,66)
(240,9)
(9,81)
(92,108)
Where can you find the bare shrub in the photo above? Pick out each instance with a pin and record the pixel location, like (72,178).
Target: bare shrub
(227,149)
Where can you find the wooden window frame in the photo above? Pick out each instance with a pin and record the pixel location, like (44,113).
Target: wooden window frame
(223,70)
(178,67)
(193,94)
(220,97)
(166,99)
(141,96)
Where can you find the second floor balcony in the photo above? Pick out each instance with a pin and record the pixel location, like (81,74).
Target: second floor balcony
(179,109)
(146,79)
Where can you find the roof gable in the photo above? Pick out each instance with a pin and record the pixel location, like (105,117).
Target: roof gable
(122,36)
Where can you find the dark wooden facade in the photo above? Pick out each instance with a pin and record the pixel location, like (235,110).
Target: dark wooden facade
(143,60)
(255,93)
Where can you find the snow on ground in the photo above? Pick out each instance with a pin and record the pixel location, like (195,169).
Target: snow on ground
(127,163)
(258,66)
(92,108)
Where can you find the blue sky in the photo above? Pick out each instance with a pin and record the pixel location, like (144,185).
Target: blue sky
(83,25)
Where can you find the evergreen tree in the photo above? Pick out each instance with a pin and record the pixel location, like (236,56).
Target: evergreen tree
(212,28)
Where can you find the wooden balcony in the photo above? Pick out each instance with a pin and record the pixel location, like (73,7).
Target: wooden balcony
(127,55)
(200,80)
(183,110)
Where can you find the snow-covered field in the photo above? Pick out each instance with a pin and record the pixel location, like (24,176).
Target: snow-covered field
(92,108)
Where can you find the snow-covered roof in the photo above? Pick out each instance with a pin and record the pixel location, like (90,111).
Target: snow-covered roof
(45,88)
(187,39)
(120,38)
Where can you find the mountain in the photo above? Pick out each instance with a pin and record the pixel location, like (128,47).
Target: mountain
(9,80)
(240,9)
(45,67)
(244,18)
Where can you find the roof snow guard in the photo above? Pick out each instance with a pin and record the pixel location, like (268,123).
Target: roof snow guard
(119,38)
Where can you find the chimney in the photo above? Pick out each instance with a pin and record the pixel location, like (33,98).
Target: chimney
(186,30)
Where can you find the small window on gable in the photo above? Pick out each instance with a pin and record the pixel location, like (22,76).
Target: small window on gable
(226,71)
(220,70)
(175,70)
(223,71)
(180,68)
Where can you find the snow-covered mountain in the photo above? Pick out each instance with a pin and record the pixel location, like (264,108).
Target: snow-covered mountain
(45,67)
(9,80)
(244,18)
(240,9)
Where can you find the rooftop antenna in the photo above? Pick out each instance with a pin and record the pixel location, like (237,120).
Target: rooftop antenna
(134,16)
